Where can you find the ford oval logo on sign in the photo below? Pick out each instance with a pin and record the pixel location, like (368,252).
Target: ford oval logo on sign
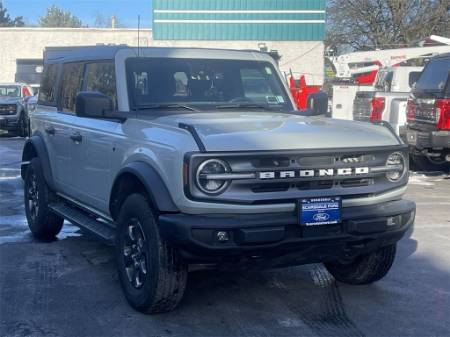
(321,217)
(320,211)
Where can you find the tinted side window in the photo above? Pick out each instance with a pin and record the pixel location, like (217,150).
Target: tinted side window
(72,78)
(434,77)
(413,77)
(47,92)
(101,77)
(384,80)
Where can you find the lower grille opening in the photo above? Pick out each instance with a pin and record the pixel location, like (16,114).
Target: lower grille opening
(274,187)
(315,185)
(356,182)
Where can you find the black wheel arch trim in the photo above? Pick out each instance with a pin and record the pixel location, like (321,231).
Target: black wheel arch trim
(36,144)
(153,183)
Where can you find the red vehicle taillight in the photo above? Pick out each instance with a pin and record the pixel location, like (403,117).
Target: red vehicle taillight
(376,114)
(411,110)
(443,114)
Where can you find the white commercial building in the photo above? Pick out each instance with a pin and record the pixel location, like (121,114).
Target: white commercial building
(22,48)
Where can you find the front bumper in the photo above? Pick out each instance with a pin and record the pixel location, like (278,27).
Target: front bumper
(9,123)
(426,140)
(276,239)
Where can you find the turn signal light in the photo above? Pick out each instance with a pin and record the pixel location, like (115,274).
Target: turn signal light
(378,105)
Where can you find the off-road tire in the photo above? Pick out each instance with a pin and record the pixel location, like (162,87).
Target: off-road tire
(364,269)
(422,163)
(43,223)
(163,285)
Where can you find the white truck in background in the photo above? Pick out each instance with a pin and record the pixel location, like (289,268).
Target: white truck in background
(388,100)
(357,71)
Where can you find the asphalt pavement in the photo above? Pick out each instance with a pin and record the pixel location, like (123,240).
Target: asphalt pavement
(69,287)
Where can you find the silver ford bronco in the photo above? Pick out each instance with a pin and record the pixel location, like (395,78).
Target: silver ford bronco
(198,156)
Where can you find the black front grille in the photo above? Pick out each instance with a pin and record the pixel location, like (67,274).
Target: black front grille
(8,109)
(315,185)
(275,187)
(285,181)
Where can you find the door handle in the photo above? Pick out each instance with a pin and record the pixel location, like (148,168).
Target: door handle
(50,130)
(76,137)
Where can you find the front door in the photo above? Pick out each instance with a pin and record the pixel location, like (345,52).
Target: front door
(92,139)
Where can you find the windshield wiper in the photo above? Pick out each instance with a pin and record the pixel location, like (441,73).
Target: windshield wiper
(162,106)
(242,106)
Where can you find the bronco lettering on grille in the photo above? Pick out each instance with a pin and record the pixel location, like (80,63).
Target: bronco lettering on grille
(329,172)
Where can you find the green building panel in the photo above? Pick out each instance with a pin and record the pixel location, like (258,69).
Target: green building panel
(277,20)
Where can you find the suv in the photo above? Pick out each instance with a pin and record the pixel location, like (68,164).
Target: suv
(428,116)
(198,156)
(13,99)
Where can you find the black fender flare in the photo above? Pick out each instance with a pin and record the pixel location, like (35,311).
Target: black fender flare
(154,185)
(36,146)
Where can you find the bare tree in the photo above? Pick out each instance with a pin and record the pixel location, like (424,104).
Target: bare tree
(102,21)
(369,24)
(56,17)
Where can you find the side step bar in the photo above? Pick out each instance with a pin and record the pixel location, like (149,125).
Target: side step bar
(80,218)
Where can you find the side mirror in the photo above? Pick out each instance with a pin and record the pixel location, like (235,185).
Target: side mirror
(92,104)
(317,104)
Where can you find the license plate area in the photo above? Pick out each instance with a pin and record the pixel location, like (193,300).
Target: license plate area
(315,212)
(411,138)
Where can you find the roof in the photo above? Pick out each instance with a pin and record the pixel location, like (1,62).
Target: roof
(105,52)
(442,55)
(109,52)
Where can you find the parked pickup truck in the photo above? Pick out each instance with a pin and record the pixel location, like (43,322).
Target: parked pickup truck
(428,127)
(13,114)
(388,101)
(184,156)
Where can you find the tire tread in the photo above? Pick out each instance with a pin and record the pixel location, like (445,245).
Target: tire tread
(365,269)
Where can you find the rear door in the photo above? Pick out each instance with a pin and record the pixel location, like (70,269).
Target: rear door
(50,124)
(71,81)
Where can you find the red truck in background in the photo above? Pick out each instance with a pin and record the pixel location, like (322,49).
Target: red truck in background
(301,91)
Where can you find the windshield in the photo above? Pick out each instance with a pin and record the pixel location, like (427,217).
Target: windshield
(205,84)
(9,90)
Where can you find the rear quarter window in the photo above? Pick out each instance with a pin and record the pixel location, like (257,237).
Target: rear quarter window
(434,77)
(413,77)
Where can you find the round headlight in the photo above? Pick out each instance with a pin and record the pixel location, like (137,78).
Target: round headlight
(205,176)
(397,166)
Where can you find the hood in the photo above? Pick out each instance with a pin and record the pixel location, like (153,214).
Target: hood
(9,100)
(276,131)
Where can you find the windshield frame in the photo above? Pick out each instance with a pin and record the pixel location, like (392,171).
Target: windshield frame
(208,106)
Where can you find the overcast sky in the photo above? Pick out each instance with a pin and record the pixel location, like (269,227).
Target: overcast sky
(87,10)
